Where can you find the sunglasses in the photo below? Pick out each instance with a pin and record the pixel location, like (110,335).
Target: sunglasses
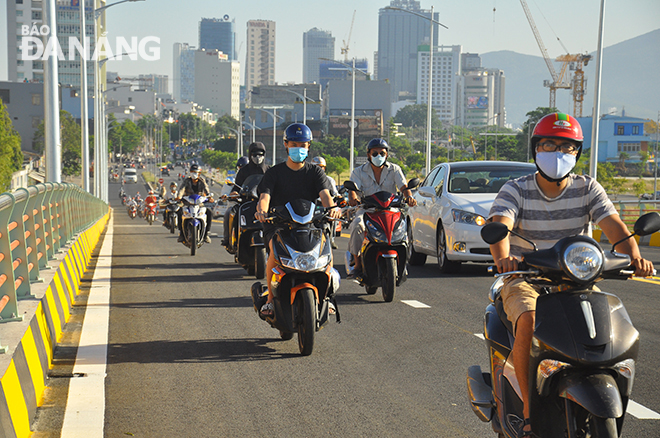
(375,154)
(257,155)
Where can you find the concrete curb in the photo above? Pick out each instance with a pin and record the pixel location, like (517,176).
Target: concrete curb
(652,240)
(24,378)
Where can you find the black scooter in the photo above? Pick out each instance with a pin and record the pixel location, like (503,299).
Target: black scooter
(584,348)
(304,283)
(246,239)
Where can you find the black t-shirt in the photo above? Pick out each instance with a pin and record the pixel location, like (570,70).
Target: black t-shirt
(249,170)
(284,184)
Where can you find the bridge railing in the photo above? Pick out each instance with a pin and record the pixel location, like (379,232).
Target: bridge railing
(35,222)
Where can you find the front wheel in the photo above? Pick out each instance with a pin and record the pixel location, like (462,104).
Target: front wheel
(388,279)
(306,321)
(260,259)
(193,240)
(446,266)
(602,427)
(151,219)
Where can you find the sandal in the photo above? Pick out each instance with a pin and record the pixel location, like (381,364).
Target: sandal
(522,433)
(267,310)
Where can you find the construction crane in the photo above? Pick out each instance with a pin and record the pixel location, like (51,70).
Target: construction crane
(557,80)
(344,48)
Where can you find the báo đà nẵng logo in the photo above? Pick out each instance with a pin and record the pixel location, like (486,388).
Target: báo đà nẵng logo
(37,43)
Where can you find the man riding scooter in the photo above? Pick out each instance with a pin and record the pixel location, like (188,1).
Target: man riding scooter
(195,185)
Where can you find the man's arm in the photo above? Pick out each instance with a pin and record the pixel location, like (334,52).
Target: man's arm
(615,230)
(501,250)
(262,207)
(327,201)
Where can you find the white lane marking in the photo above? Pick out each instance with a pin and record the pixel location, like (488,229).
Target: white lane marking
(85,409)
(480,336)
(416,304)
(641,412)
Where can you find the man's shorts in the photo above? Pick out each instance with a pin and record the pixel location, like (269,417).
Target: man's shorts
(518,297)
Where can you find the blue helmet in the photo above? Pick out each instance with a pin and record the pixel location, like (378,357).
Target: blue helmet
(378,143)
(243,161)
(298,132)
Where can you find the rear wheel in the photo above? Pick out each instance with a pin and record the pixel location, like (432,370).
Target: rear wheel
(193,240)
(259,262)
(388,279)
(306,321)
(446,266)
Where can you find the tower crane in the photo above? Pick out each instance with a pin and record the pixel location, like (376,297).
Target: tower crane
(557,80)
(344,48)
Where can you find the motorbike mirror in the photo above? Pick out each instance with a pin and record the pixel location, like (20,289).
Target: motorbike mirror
(350,185)
(228,181)
(493,232)
(413,183)
(647,224)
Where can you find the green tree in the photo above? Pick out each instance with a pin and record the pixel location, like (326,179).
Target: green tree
(416,115)
(70,141)
(333,146)
(639,187)
(131,136)
(11,156)
(219,160)
(336,166)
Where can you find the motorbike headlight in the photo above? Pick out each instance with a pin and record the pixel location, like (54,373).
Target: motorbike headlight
(546,369)
(465,217)
(583,261)
(376,234)
(307,261)
(400,232)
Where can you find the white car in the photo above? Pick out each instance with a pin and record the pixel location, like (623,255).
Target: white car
(452,205)
(130,175)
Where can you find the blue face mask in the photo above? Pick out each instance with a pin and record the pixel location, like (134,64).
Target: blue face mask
(378,160)
(298,155)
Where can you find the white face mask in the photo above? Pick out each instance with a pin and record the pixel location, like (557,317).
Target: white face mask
(556,164)
(378,160)
(257,159)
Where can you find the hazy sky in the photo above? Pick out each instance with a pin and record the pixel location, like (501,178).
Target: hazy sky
(480,26)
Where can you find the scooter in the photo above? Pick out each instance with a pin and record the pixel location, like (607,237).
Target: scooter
(151,211)
(194,221)
(131,209)
(304,283)
(584,347)
(171,217)
(246,239)
(384,252)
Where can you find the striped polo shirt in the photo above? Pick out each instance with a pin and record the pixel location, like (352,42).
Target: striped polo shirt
(545,220)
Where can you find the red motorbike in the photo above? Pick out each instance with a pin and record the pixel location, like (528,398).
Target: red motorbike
(150,212)
(384,252)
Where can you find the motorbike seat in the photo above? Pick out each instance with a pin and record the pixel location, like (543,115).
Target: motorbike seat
(499,306)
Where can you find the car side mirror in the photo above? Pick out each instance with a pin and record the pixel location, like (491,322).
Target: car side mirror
(426,192)
(494,232)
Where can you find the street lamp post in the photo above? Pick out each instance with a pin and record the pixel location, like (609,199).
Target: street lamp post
(352,140)
(253,127)
(430,89)
(304,99)
(275,117)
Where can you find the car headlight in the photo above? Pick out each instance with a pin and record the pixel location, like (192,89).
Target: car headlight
(583,261)
(465,217)
(400,232)
(376,234)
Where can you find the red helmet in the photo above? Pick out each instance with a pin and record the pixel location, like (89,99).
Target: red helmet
(558,125)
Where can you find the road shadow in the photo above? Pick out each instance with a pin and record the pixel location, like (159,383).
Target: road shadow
(187,303)
(196,351)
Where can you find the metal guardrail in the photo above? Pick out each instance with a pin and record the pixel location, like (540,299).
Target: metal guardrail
(630,211)
(35,222)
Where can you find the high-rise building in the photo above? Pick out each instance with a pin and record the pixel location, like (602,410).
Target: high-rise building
(317,44)
(217,82)
(218,34)
(156,83)
(330,70)
(446,68)
(481,98)
(183,79)
(260,53)
(28,13)
(470,61)
(399,35)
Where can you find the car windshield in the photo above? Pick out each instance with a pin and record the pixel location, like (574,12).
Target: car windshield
(484,179)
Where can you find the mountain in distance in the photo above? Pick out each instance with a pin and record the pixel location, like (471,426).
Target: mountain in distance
(629,80)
